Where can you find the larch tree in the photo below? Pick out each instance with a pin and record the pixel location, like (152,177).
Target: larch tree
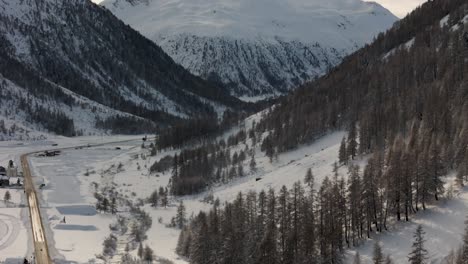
(7,197)
(148,255)
(342,153)
(154,199)
(418,254)
(181,215)
(464,250)
(378,256)
(351,149)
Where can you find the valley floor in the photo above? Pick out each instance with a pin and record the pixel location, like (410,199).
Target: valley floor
(71,179)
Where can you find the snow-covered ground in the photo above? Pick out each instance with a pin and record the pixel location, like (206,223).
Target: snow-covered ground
(15,235)
(443,223)
(71,179)
(14,224)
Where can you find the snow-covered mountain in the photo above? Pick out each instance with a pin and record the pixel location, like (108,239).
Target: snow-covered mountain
(260,47)
(71,67)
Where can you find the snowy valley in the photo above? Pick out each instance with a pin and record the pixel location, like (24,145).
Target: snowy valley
(111,152)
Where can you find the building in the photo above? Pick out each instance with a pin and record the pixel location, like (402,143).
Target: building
(12,172)
(4,181)
(3,171)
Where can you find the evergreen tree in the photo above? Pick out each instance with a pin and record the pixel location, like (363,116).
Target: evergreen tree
(355,206)
(154,199)
(378,256)
(464,249)
(140,251)
(309,179)
(163,194)
(253,164)
(200,250)
(180,217)
(343,154)
(7,197)
(105,204)
(436,170)
(148,255)
(418,254)
(351,149)
(113,205)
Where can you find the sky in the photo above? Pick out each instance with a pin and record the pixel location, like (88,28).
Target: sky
(398,7)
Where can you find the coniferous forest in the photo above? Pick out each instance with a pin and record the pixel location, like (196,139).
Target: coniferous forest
(403,101)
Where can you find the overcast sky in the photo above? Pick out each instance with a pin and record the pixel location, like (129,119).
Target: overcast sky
(398,7)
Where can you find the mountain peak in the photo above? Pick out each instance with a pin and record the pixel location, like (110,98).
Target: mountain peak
(262,47)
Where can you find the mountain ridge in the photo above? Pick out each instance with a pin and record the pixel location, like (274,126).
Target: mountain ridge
(244,44)
(83,48)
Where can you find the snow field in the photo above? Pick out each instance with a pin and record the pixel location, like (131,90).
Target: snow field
(80,239)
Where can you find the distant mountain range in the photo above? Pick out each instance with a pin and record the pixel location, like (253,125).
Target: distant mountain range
(256,48)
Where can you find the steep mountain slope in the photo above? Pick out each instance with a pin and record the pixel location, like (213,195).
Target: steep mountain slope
(260,47)
(59,53)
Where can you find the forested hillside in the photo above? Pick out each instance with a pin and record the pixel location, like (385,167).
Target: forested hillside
(403,101)
(55,54)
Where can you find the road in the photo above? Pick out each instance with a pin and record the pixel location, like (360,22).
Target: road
(41,249)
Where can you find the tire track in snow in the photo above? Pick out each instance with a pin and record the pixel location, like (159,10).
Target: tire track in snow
(12,230)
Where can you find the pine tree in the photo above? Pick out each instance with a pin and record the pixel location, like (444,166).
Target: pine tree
(464,249)
(113,205)
(355,203)
(140,251)
(200,251)
(352,143)
(268,147)
(436,170)
(378,257)
(7,197)
(309,179)
(105,204)
(418,254)
(154,199)
(388,260)
(343,154)
(163,194)
(240,170)
(253,164)
(148,255)
(180,217)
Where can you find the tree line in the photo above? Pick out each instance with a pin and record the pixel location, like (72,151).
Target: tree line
(297,225)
